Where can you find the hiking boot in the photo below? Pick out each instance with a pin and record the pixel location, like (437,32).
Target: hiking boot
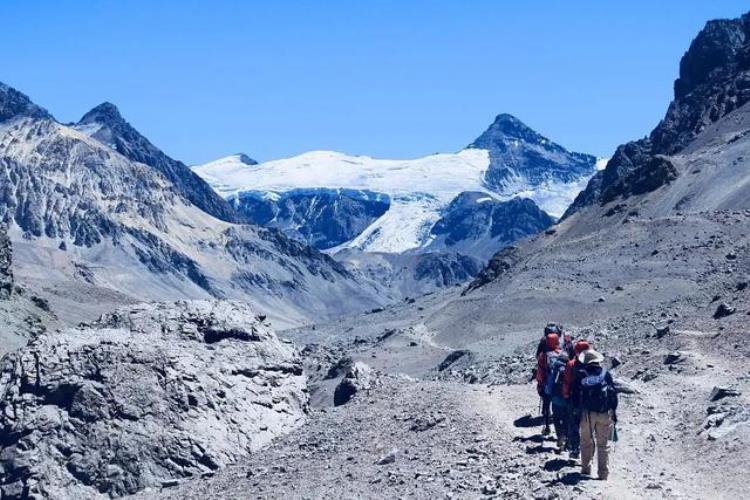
(546,431)
(585,472)
(574,454)
(560,444)
(603,477)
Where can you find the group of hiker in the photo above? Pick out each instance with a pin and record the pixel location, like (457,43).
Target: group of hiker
(578,397)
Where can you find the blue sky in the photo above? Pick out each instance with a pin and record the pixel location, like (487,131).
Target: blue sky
(382,78)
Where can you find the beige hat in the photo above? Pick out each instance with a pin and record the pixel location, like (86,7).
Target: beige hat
(590,356)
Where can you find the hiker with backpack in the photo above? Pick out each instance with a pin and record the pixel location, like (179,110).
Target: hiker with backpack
(574,373)
(598,403)
(550,377)
(554,390)
(549,329)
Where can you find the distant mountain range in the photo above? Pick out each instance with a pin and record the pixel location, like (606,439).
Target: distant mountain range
(99,216)
(335,201)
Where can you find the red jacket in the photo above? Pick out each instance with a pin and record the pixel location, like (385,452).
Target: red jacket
(569,379)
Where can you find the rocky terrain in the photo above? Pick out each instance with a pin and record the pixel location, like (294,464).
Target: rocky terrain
(143,396)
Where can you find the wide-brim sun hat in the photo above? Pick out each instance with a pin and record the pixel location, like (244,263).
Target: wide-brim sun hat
(590,356)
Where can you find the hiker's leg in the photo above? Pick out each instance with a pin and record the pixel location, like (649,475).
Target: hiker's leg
(574,433)
(587,443)
(546,412)
(602,428)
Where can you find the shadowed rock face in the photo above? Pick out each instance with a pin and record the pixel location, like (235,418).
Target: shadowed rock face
(322,218)
(14,104)
(478,225)
(714,81)
(6,275)
(105,124)
(146,394)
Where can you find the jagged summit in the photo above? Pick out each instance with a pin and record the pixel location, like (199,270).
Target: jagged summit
(105,124)
(507,126)
(519,152)
(14,103)
(104,113)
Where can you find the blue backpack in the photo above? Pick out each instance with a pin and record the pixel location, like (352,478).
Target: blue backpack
(555,378)
(596,393)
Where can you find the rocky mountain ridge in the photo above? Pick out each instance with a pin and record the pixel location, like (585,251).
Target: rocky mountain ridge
(714,80)
(86,220)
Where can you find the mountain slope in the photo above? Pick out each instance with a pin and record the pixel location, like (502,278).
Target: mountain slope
(93,229)
(105,124)
(509,160)
(714,80)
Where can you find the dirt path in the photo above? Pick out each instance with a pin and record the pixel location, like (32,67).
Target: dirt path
(452,440)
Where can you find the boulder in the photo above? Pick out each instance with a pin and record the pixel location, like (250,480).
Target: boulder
(359,377)
(145,395)
(718,393)
(672,358)
(724,310)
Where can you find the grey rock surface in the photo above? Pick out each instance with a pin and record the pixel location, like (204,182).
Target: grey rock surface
(147,394)
(6,273)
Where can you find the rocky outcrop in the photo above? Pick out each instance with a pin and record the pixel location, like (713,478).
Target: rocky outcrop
(6,274)
(146,395)
(502,263)
(516,151)
(105,123)
(358,378)
(714,80)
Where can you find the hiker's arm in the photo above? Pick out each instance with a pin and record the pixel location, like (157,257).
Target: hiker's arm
(614,397)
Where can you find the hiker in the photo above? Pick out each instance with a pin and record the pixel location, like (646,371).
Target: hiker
(598,403)
(544,360)
(574,373)
(550,329)
(554,390)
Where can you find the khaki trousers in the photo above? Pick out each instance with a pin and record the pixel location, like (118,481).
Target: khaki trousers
(595,427)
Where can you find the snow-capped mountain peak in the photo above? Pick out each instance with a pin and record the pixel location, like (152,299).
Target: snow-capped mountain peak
(295,194)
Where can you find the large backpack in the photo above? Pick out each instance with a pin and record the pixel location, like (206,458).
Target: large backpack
(555,378)
(596,393)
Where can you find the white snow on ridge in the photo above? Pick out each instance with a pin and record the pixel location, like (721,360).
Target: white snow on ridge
(442,175)
(419,189)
